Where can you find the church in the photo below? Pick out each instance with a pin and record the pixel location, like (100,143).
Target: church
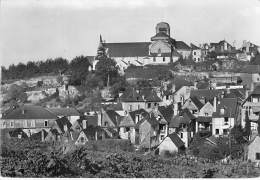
(162,50)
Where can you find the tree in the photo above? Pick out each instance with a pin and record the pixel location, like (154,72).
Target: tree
(79,69)
(237,134)
(16,93)
(107,69)
(247,131)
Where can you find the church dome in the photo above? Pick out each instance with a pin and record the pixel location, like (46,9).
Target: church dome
(163,27)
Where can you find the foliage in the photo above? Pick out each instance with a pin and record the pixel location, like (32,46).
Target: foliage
(16,93)
(237,134)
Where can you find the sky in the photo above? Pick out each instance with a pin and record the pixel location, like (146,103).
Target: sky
(33,30)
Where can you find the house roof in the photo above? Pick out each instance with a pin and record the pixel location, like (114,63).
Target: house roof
(115,107)
(181,45)
(151,119)
(176,139)
(204,119)
(129,120)
(166,112)
(138,112)
(64,111)
(146,94)
(183,118)
(114,117)
(129,49)
(250,69)
(194,47)
(29,112)
(230,106)
(197,102)
(206,93)
(61,122)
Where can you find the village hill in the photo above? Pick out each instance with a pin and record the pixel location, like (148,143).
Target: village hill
(164,97)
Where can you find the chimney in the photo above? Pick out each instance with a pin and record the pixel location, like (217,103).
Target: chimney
(215,103)
(42,135)
(175,109)
(173,87)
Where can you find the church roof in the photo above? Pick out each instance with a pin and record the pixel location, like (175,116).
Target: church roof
(128,49)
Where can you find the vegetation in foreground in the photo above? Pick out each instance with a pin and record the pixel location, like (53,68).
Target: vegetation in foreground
(109,158)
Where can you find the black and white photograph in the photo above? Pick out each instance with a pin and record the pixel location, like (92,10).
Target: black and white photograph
(130,89)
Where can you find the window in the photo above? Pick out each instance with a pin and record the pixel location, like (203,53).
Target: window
(130,107)
(225,131)
(194,111)
(194,53)
(155,104)
(217,131)
(163,59)
(82,139)
(206,114)
(225,120)
(162,136)
(149,105)
(181,135)
(45,123)
(12,124)
(167,97)
(257,156)
(127,129)
(154,59)
(138,106)
(106,123)
(222,111)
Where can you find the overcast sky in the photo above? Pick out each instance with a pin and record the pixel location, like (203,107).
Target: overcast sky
(32,30)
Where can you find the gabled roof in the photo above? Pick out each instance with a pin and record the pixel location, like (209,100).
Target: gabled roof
(29,112)
(176,140)
(151,119)
(180,45)
(166,112)
(129,49)
(114,117)
(138,112)
(230,106)
(204,119)
(183,118)
(194,47)
(206,93)
(64,111)
(144,95)
(196,102)
(61,122)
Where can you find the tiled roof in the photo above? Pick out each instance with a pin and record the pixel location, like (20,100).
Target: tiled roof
(132,95)
(204,119)
(114,117)
(176,140)
(194,47)
(167,112)
(180,45)
(230,106)
(197,102)
(151,119)
(251,69)
(129,49)
(61,122)
(206,93)
(64,111)
(30,112)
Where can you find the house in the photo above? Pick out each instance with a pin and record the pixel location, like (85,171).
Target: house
(184,125)
(193,104)
(205,95)
(222,49)
(171,144)
(133,99)
(226,116)
(128,124)
(251,105)
(30,118)
(183,49)
(147,132)
(196,53)
(89,134)
(71,113)
(250,75)
(253,153)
